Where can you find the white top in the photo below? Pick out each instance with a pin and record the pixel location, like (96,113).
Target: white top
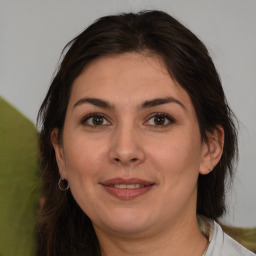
(222,244)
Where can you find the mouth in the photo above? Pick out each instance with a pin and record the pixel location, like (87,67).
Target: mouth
(127,189)
(127,186)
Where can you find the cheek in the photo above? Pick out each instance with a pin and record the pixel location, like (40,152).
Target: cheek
(84,162)
(178,151)
(178,158)
(83,157)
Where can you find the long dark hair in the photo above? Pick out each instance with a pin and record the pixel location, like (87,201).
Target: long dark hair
(64,227)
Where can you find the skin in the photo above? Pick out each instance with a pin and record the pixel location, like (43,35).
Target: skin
(128,141)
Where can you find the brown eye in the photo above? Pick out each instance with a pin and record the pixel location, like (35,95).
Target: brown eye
(95,120)
(160,120)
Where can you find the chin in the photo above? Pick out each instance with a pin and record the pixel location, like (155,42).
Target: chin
(127,228)
(126,222)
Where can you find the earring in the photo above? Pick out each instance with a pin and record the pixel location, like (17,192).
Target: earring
(63,184)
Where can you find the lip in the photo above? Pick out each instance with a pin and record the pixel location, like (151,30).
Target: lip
(116,181)
(127,193)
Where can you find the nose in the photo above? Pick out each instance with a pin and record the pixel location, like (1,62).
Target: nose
(126,146)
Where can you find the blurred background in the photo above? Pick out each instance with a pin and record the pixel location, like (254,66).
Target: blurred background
(33,34)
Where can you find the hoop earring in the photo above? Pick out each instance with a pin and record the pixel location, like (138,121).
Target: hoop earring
(63,184)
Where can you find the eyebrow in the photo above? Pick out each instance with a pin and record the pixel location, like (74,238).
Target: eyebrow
(147,104)
(94,101)
(161,101)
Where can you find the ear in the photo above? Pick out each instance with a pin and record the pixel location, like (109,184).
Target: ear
(212,150)
(59,153)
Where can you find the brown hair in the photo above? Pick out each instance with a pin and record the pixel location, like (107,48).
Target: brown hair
(65,228)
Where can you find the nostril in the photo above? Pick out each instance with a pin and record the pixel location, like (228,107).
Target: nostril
(132,160)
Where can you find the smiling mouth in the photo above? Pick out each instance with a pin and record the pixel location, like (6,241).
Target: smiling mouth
(127,189)
(127,186)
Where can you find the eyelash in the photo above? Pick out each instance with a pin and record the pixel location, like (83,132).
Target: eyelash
(167,117)
(154,115)
(91,116)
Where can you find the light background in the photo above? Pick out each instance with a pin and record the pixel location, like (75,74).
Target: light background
(33,33)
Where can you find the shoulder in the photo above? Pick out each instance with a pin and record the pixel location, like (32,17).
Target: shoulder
(223,245)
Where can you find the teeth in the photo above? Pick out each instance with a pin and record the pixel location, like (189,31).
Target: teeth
(128,186)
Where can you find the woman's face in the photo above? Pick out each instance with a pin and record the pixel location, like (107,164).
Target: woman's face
(131,147)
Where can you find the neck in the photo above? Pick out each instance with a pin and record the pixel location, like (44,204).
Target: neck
(182,238)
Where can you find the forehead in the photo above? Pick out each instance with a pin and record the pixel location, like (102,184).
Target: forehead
(127,78)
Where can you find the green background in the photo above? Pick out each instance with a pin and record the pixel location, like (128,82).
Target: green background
(18,182)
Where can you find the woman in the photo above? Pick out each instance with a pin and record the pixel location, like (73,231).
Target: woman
(137,142)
